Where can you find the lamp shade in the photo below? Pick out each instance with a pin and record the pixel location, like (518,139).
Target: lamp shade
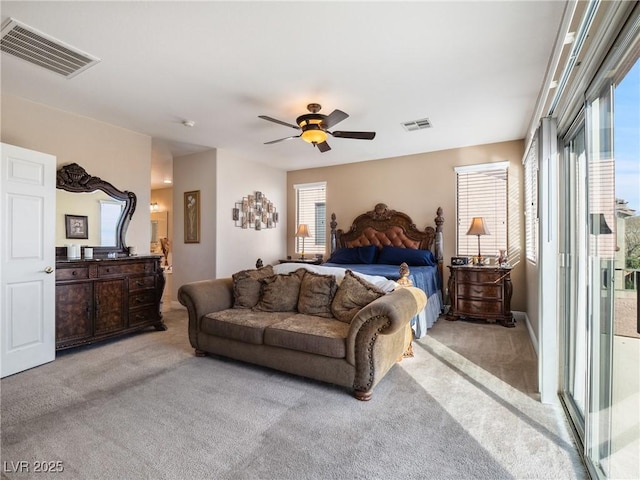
(478,227)
(303,230)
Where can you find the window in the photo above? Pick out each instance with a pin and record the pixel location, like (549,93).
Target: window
(311,210)
(531,201)
(482,192)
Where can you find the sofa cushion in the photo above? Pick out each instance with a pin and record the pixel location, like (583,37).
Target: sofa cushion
(353,294)
(316,294)
(246,286)
(280,292)
(241,324)
(306,333)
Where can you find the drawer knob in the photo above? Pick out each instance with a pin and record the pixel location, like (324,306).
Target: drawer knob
(140,283)
(74,273)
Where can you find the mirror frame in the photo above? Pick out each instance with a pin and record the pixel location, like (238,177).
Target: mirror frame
(74,178)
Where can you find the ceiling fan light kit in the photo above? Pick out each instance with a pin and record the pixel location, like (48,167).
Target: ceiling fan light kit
(314,127)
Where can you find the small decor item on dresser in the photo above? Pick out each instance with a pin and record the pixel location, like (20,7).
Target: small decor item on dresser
(459,260)
(502,257)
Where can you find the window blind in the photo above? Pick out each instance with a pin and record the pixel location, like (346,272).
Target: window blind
(531,202)
(482,192)
(311,210)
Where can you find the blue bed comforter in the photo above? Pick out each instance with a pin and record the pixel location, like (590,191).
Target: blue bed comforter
(425,278)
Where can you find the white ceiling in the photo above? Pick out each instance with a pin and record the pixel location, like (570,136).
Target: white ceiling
(475,69)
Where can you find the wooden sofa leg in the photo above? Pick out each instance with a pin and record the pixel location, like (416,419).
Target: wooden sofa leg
(363,396)
(200,353)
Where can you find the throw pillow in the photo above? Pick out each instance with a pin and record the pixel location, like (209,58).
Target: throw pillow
(354,255)
(316,294)
(353,294)
(280,292)
(410,256)
(246,286)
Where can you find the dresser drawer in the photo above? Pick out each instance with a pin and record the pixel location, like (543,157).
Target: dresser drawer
(143,315)
(478,308)
(76,273)
(142,299)
(111,269)
(470,290)
(141,283)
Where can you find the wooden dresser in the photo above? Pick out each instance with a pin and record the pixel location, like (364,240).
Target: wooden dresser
(100,299)
(481,293)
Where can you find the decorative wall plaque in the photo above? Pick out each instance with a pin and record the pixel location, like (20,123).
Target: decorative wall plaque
(255,211)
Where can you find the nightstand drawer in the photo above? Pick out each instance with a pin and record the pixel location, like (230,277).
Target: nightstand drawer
(478,276)
(479,308)
(470,290)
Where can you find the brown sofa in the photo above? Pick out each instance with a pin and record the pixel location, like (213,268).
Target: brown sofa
(356,354)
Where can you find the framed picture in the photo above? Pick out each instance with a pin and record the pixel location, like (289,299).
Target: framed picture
(77,226)
(236,214)
(192,217)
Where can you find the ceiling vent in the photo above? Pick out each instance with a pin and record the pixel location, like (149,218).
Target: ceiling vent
(24,42)
(417,125)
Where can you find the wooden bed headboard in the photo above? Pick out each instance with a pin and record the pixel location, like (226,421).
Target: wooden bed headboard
(383,226)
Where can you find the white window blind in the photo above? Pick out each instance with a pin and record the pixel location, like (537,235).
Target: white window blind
(531,202)
(482,192)
(311,210)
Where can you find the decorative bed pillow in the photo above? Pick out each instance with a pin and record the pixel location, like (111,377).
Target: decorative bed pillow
(353,294)
(316,294)
(280,292)
(354,255)
(410,256)
(246,286)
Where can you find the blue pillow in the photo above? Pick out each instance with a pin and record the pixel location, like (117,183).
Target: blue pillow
(354,255)
(411,256)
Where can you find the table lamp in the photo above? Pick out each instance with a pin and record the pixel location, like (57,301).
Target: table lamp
(303,232)
(478,227)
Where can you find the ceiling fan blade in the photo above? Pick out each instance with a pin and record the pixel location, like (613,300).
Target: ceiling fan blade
(357,135)
(275,120)
(323,147)
(334,118)
(281,140)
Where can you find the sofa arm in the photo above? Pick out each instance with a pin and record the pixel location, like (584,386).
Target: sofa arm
(382,317)
(204,297)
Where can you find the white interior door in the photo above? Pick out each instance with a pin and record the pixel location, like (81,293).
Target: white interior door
(27,258)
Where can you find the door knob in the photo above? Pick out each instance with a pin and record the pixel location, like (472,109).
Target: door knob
(48,270)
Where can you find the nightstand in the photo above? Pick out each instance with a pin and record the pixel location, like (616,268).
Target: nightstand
(308,261)
(481,292)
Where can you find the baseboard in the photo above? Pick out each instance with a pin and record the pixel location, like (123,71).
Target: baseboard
(522,316)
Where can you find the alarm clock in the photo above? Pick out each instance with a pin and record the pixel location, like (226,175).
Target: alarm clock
(459,261)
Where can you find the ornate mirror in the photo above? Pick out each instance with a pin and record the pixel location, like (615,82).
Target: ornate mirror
(101,211)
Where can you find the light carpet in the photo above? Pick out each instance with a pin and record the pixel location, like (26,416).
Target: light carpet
(144,407)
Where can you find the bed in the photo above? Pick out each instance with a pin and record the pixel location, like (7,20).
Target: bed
(380,240)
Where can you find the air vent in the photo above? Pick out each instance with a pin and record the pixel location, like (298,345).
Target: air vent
(417,125)
(35,47)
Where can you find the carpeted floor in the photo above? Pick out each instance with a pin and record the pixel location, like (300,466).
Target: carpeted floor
(144,407)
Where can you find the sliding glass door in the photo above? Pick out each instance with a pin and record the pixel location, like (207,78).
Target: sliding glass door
(600,260)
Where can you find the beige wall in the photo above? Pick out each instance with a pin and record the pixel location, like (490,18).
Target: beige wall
(118,156)
(238,248)
(418,185)
(194,261)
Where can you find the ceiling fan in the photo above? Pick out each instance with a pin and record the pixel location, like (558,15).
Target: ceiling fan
(315,127)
